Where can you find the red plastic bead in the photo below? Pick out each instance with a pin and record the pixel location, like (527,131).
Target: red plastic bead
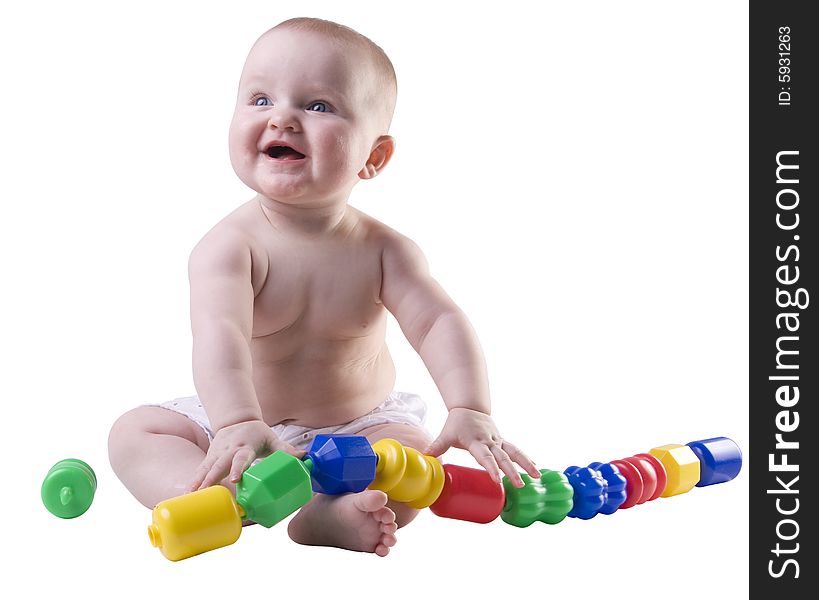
(662,476)
(649,475)
(634,482)
(469,495)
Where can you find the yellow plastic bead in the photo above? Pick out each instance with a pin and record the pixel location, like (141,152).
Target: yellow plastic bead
(406,475)
(681,465)
(416,480)
(436,485)
(392,460)
(194,523)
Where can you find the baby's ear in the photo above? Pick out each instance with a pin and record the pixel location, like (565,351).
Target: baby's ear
(379,157)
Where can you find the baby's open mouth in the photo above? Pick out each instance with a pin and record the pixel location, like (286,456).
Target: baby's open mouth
(284,153)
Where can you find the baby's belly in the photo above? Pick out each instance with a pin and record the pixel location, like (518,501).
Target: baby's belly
(319,389)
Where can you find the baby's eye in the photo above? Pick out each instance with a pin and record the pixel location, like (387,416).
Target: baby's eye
(262,101)
(319,107)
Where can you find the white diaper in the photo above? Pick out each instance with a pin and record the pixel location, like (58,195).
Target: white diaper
(399,407)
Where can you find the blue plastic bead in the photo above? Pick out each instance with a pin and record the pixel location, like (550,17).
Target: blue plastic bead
(341,463)
(720,460)
(615,492)
(588,487)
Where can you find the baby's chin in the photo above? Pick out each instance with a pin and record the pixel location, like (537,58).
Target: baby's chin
(294,191)
(297,196)
(282,195)
(281,188)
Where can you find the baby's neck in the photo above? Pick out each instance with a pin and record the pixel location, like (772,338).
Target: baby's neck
(301,220)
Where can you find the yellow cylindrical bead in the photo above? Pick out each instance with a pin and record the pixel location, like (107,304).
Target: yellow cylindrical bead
(436,484)
(416,480)
(392,460)
(406,475)
(194,523)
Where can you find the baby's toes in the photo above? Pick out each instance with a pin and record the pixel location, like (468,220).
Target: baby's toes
(389,527)
(370,501)
(386,542)
(385,516)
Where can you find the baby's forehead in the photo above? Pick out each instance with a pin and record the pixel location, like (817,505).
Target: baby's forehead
(282,45)
(294,35)
(337,62)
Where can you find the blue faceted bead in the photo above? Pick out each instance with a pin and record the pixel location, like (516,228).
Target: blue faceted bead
(341,463)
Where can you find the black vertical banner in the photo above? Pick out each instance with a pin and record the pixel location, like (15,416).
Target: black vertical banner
(784,224)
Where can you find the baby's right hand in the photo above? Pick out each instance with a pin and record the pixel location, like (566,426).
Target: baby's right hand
(233,449)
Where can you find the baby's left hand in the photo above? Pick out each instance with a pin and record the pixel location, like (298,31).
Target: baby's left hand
(477,433)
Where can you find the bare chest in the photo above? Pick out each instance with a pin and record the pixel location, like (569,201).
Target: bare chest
(323,291)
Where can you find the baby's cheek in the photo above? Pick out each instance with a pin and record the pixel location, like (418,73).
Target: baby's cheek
(340,149)
(355,155)
(336,160)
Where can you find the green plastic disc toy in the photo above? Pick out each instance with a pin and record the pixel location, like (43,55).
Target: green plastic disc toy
(68,488)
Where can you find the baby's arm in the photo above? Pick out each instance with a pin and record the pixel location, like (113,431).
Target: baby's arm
(442,335)
(221,321)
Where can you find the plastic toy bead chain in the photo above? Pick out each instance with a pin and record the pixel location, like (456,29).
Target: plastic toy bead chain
(280,484)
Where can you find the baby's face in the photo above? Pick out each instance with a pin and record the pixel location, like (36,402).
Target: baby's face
(302,129)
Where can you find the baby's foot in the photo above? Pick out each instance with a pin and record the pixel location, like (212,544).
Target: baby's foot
(360,522)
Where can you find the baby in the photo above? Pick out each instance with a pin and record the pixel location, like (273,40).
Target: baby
(289,301)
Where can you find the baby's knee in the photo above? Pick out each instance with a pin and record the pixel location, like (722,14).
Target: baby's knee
(133,429)
(124,428)
(407,435)
(124,434)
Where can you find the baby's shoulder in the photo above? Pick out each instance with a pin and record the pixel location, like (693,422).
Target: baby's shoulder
(381,235)
(232,245)
(399,256)
(234,232)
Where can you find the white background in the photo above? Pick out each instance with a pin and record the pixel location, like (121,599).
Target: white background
(576,174)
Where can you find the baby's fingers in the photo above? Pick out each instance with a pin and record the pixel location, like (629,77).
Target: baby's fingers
(524,461)
(507,466)
(483,454)
(241,461)
(217,471)
(199,474)
(438,447)
(292,450)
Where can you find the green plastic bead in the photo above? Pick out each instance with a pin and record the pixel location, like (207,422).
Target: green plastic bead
(68,488)
(274,488)
(548,499)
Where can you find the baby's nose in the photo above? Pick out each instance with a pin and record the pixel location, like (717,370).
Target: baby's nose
(283,119)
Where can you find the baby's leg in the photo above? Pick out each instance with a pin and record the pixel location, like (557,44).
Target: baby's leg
(154,451)
(366,521)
